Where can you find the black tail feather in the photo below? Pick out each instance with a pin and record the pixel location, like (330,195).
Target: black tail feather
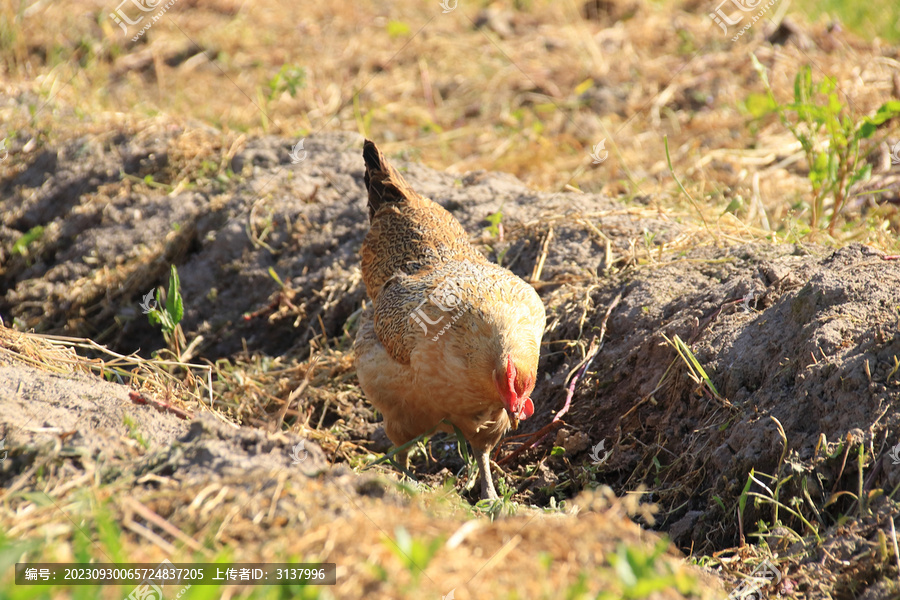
(383,182)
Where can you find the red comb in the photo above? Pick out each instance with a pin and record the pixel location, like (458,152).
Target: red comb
(511,374)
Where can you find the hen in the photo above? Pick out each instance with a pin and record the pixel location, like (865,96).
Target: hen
(449,337)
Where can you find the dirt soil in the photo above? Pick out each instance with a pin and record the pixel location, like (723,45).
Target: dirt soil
(800,344)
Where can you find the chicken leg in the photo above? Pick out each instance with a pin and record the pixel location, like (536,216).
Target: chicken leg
(483,458)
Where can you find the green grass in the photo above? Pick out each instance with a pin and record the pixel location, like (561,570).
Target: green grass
(879,18)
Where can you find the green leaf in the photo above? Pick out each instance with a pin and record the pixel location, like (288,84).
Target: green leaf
(803,85)
(275,276)
(21,245)
(818,171)
(828,85)
(861,175)
(461,445)
(174,303)
(742,501)
(834,104)
(885,112)
(403,539)
(397,28)
(760,69)
(734,206)
(288,79)
(866,130)
(584,86)
(108,532)
(760,105)
(494,220)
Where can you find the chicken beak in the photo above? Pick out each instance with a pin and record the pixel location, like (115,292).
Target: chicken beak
(513,418)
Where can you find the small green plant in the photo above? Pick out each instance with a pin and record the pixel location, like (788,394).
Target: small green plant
(828,133)
(494,228)
(133,432)
(773,498)
(289,78)
(168,316)
(415,554)
(641,573)
(895,368)
(504,505)
(649,237)
(695,369)
(21,245)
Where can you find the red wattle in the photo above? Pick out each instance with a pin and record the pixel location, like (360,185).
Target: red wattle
(526,410)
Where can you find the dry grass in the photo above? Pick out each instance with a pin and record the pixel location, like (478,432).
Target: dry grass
(528,91)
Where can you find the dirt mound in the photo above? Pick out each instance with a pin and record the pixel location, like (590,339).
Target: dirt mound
(799,344)
(806,336)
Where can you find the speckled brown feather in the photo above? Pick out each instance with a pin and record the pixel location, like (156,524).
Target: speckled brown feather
(408,232)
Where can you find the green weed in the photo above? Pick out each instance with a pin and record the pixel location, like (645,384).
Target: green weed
(829,134)
(168,316)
